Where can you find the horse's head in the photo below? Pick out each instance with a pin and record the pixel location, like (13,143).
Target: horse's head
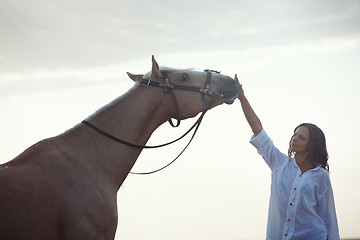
(193,91)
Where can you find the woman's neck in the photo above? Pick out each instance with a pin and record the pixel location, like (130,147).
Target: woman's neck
(304,162)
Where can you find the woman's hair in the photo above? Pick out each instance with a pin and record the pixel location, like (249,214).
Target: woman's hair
(317,145)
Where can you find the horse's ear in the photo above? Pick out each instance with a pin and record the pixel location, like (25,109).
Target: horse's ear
(135,77)
(155,71)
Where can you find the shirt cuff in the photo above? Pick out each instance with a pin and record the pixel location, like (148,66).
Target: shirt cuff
(260,139)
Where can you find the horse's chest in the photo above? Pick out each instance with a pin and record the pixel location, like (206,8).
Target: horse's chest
(89,220)
(57,213)
(92,214)
(95,224)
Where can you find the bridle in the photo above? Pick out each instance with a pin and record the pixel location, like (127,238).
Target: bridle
(167,87)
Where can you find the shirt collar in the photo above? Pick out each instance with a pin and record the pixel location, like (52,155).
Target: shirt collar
(293,160)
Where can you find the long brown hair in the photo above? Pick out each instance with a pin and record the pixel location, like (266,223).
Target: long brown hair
(317,145)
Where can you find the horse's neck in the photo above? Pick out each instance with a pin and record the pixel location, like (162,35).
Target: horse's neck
(132,117)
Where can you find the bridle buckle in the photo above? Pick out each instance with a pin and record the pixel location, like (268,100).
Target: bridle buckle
(166,86)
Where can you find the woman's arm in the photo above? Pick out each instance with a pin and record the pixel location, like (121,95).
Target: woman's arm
(249,113)
(325,208)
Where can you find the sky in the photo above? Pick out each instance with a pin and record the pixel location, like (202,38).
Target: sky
(298,61)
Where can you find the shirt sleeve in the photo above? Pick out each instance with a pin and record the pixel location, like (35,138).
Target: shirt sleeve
(266,148)
(326,210)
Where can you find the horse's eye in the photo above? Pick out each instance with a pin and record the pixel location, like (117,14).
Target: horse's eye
(185,77)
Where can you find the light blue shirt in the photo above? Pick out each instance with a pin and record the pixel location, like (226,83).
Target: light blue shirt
(301,206)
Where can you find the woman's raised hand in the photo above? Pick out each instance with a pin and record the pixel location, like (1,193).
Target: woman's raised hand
(241,93)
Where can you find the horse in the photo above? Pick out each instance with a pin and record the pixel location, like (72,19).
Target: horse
(65,187)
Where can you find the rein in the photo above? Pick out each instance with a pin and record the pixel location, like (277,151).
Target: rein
(196,125)
(168,88)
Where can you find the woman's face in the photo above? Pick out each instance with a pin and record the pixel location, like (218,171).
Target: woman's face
(300,140)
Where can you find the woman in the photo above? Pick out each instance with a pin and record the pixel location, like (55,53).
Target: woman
(301,202)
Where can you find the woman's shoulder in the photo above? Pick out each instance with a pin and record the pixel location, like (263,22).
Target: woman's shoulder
(322,175)
(322,171)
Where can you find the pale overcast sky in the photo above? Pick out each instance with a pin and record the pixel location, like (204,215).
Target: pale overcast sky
(67,34)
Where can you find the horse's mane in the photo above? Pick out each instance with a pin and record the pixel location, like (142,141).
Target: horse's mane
(170,69)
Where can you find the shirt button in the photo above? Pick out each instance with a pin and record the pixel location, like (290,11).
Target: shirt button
(289,219)
(285,234)
(294,188)
(291,204)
